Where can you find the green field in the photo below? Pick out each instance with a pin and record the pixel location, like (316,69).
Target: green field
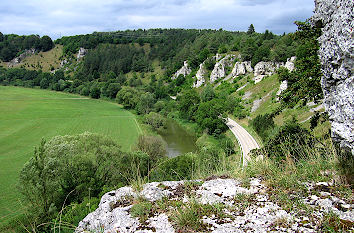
(28,115)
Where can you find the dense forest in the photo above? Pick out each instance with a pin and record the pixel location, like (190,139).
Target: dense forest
(173,46)
(12,45)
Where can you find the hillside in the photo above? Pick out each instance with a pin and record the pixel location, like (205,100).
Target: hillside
(269,84)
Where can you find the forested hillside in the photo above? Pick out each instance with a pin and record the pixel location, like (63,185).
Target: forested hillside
(12,45)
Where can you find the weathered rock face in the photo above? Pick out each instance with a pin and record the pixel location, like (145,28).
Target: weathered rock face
(82,52)
(290,64)
(17,60)
(242,68)
(185,70)
(283,87)
(337,57)
(262,69)
(219,70)
(200,76)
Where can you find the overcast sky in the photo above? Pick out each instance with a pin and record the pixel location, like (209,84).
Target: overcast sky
(58,18)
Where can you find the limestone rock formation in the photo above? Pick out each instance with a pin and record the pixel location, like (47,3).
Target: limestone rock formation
(17,60)
(220,67)
(82,52)
(262,69)
(283,87)
(337,57)
(242,68)
(290,64)
(185,70)
(200,76)
(246,207)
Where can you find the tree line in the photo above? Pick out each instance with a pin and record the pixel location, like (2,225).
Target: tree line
(13,45)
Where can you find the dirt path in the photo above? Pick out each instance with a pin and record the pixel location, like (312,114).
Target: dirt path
(246,141)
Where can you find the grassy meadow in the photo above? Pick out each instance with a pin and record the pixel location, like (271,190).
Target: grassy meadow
(28,115)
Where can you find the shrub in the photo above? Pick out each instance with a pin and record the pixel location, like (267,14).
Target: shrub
(263,124)
(155,120)
(291,141)
(154,146)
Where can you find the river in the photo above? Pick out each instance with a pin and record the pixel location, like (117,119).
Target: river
(178,140)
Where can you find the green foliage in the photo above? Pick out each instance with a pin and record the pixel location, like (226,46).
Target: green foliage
(12,45)
(142,211)
(128,97)
(291,141)
(263,125)
(145,103)
(251,29)
(305,82)
(67,169)
(72,214)
(210,116)
(177,168)
(207,94)
(154,146)
(155,120)
(188,102)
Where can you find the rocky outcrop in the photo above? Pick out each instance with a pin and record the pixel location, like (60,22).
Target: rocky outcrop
(262,69)
(246,207)
(82,52)
(200,76)
(185,70)
(283,87)
(290,64)
(17,60)
(337,57)
(241,68)
(220,67)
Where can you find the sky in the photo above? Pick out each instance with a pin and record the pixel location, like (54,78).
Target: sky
(58,18)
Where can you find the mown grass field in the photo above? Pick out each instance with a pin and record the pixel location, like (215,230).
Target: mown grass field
(28,115)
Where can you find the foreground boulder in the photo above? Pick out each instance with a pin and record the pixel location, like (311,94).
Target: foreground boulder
(336,55)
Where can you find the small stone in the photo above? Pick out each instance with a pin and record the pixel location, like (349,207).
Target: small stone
(345,207)
(314,197)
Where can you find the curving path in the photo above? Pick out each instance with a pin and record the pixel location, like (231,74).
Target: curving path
(246,141)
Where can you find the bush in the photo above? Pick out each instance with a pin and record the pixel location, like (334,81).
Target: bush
(263,124)
(291,141)
(154,146)
(70,168)
(156,120)
(177,168)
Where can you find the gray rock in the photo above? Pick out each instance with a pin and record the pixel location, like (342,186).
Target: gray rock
(290,64)
(283,87)
(185,70)
(219,70)
(82,52)
(336,55)
(262,69)
(18,60)
(242,68)
(200,76)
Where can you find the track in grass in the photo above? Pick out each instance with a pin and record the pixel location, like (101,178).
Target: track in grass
(28,115)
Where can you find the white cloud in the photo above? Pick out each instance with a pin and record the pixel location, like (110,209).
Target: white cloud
(70,17)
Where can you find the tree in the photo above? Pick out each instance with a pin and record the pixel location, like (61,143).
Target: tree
(128,97)
(304,83)
(46,43)
(207,94)
(188,103)
(154,146)
(210,116)
(146,103)
(250,30)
